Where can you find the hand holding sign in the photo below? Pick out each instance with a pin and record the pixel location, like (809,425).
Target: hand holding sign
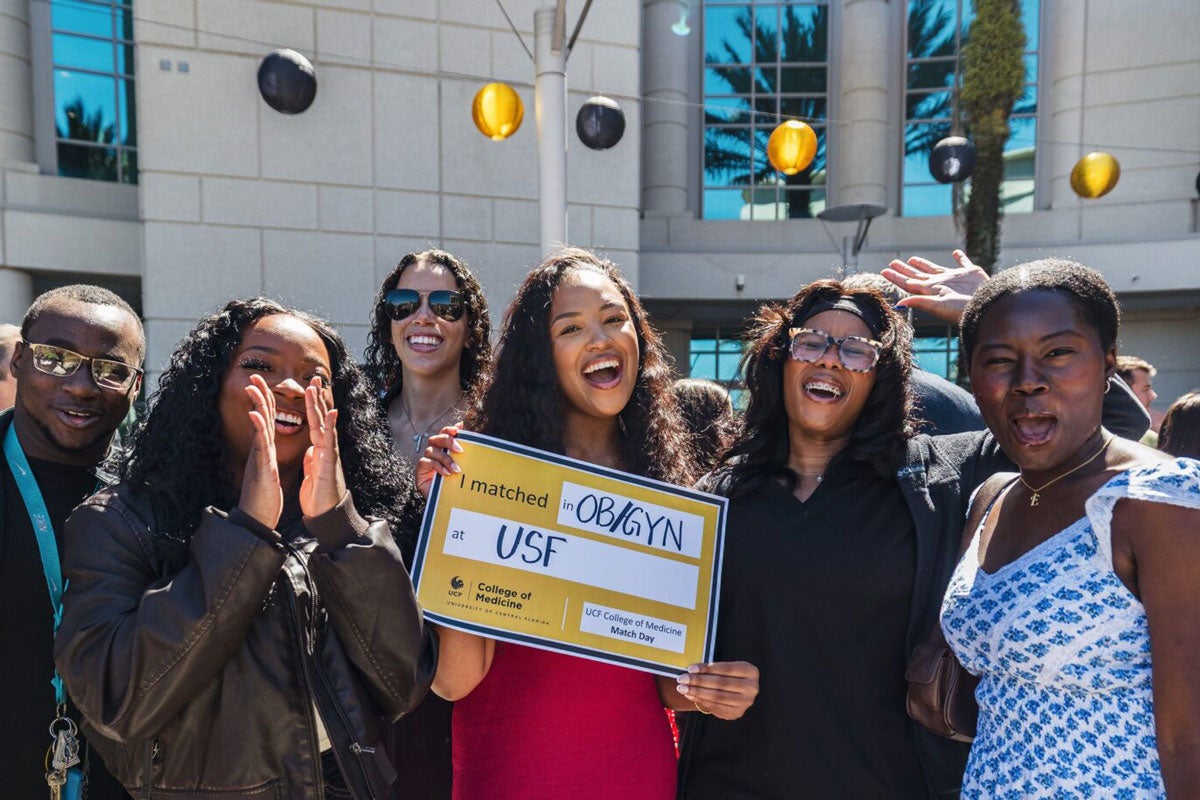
(724,689)
(437,459)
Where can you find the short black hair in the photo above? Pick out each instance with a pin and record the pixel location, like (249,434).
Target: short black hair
(1083,287)
(80,293)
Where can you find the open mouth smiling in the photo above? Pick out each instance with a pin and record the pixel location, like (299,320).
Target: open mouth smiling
(603,373)
(823,391)
(288,422)
(1033,428)
(423,342)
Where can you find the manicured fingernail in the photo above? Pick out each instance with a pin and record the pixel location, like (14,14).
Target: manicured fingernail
(455,468)
(456,447)
(694,668)
(682,680)
(683,690)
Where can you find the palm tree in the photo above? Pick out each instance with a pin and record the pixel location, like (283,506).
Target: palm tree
(735,142)
(82,161)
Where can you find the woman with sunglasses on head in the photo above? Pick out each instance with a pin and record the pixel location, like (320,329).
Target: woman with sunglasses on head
(842,533)
(222,629)
(1076,600)
(429,345)
(579,372)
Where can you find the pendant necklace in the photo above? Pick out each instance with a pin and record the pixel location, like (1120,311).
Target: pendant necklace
(418,436)
(1033,500)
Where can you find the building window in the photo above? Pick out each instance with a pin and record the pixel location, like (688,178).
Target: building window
(764,63)
(715,354)
(937,30)
(95,115)
(935,349)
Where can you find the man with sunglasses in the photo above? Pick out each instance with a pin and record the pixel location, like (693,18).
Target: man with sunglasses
(78,370)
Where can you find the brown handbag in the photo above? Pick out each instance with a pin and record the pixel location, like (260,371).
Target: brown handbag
(941,693)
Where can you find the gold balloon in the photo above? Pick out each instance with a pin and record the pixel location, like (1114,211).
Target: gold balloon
(792,147)
(497,111)
(1095,175)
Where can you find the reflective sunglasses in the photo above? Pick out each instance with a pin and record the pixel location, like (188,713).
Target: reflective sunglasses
(403,303)
(856,353)
(63,363)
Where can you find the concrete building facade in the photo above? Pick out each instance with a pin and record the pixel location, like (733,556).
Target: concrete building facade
(234,199)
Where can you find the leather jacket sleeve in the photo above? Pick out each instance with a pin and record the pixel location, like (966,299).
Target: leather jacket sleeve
(134,644)
(372,606)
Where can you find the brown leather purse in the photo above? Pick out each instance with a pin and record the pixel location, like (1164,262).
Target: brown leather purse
(941,693)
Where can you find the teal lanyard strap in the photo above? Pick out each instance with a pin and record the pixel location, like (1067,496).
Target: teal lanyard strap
(39,517)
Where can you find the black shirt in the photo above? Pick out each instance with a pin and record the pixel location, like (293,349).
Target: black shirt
(27,636)
(817,594)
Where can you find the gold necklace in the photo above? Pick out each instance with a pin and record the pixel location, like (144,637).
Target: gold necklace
(1033,501)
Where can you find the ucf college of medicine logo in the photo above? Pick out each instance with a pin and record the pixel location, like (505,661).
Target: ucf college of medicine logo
(456,585)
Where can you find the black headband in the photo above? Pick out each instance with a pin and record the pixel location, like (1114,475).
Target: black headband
(852,305)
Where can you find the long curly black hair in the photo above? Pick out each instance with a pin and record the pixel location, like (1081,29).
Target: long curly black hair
(178,457)
(381,361)
(877,440)
(523,401)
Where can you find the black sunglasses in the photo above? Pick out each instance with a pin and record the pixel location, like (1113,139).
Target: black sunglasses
(403,303)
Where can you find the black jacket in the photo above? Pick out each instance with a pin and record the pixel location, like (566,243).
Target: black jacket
(198,671)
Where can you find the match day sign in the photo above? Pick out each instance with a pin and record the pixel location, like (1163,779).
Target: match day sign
(530,547)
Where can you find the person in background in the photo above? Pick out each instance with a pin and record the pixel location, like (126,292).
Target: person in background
(1180,431)
(9,336)
(580,372)
(1139,374)
(429,345)
(706,408)
(1075,601)
(238,620)
(77,367)
(939,406)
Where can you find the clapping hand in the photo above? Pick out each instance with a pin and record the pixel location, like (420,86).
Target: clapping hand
(262,497)
(324,483)
(937,290)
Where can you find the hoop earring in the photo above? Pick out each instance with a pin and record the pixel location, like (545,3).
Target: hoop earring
(1107,384)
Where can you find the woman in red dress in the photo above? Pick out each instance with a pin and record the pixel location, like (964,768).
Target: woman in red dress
(580,372)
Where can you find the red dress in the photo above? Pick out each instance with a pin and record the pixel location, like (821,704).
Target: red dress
(545,726)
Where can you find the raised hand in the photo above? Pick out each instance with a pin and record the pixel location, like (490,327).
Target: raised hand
(262,496)
(437,459)
(324,483)
(724,689)
(937,290)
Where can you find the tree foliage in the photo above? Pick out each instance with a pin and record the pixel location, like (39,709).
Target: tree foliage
(993,81)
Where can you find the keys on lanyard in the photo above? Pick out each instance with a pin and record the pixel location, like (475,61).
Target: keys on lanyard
(63,776)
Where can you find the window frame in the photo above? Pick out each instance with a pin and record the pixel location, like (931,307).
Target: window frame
(45,102)
(1033,49)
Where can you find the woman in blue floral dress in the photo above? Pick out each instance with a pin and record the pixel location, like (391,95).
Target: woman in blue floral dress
(1084,572)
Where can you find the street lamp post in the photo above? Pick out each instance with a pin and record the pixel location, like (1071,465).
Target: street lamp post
(550,109)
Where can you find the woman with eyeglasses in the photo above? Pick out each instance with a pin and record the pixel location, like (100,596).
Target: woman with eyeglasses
(223,631)
(843,530)
(579,372)
(428,347)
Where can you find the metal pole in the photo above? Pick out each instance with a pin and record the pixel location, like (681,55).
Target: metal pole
(550,105)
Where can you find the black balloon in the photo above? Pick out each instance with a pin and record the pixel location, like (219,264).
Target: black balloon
(952,160)
(600,123)
(287,81)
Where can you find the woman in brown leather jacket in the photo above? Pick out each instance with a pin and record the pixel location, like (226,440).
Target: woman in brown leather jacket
(233,626)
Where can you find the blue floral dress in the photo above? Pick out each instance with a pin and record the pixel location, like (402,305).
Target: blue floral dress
(1063,650)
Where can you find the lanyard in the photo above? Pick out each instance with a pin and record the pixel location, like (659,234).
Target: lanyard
(39,517)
